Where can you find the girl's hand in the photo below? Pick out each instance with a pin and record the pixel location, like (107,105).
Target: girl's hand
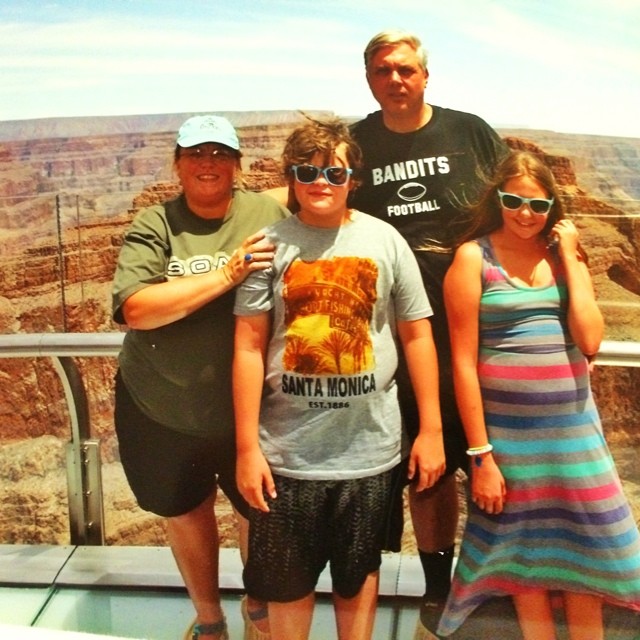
(488,488)
(566,233)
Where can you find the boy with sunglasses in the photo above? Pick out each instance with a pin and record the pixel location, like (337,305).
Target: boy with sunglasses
(317,418)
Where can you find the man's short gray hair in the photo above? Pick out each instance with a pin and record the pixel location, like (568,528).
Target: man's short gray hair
(394,37)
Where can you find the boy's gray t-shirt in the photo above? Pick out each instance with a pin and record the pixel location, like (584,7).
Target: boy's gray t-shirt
(330,408)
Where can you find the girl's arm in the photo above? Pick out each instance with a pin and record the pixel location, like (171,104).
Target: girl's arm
(253,475)
(584,318)
(427,453)
(462,291)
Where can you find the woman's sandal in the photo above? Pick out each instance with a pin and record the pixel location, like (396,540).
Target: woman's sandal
(251,632)
(215,628)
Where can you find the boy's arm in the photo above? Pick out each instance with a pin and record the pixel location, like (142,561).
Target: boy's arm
(253,475)
(427,453)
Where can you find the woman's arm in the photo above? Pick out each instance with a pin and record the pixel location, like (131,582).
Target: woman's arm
(427,453)
(252,473)
(160,304)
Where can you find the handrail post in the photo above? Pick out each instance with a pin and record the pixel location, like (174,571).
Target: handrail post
(84,477)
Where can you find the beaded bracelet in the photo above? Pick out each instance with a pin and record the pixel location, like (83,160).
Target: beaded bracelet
(478,451)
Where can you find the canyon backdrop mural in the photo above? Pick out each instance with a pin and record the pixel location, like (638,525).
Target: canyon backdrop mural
(68,190)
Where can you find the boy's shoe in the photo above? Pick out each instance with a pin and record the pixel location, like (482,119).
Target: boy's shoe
(215,628)
(251,632)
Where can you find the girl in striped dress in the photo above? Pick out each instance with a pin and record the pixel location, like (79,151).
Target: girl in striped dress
(547,513)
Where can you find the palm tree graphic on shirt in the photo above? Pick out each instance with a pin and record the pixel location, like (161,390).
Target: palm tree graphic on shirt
(328,311)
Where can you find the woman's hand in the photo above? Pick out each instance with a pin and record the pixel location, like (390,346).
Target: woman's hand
(254,254)
(165,302)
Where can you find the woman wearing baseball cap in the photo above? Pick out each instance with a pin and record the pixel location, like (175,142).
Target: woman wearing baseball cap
(174,288)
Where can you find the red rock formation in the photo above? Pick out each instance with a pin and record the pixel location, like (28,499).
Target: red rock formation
(64,207)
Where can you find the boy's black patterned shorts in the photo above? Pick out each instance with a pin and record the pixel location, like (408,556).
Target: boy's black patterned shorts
(313,522)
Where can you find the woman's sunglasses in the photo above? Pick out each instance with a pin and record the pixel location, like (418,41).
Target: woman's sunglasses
(309,173)
(511,201)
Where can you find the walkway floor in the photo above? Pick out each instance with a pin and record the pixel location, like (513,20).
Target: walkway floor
(65,593)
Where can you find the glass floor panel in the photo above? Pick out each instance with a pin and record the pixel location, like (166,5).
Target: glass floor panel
(91,614)
(86,593)
(21,605)
(136,592)
(166,616)
(157,615)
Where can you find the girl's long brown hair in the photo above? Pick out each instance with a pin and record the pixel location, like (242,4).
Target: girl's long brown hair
(486,213)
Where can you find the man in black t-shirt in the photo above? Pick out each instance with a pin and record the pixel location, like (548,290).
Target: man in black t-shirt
(422,165)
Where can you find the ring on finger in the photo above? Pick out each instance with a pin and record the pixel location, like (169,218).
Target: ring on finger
(248,257)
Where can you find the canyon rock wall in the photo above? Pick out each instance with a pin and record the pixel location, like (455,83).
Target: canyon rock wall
(65,202)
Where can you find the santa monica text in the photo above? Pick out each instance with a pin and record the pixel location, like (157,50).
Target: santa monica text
(329,387)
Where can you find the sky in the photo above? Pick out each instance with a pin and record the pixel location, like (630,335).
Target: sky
(570,66)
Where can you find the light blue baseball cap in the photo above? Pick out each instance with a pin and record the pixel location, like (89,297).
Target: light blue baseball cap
(201,129)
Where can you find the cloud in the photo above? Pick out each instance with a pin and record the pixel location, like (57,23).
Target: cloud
(549,65)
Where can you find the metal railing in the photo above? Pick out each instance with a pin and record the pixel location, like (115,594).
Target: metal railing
(84,467)
(84,476)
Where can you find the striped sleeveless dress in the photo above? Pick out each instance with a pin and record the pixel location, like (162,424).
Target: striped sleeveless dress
(566,525)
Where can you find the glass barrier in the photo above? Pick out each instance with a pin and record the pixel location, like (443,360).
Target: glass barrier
(64,484)
(64,206)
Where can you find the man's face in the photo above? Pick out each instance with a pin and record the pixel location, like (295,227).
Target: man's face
(396,79)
